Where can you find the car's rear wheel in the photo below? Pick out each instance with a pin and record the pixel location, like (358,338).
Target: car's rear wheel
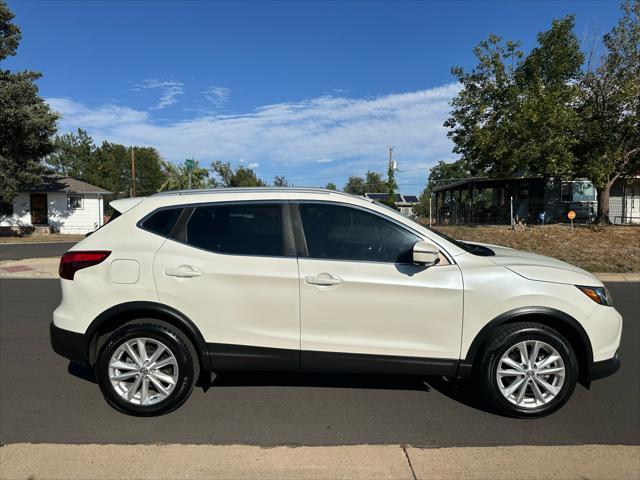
(146,369)
(528,370)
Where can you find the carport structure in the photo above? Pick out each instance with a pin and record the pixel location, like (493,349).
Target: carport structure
(479,200)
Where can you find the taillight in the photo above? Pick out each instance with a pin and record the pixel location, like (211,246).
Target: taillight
(71,262)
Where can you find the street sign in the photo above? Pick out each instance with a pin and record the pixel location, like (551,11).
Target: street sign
(189,163)
(571,215)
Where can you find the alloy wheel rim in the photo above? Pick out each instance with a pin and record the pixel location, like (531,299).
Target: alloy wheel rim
(530,374)
(143,371)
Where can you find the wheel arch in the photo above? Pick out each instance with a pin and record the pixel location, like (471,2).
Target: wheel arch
(560,321)
(118,315)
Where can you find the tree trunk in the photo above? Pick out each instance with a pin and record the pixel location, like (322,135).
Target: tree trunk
(603,204)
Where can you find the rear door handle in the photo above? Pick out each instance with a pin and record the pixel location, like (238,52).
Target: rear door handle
(183,271)
(323,280)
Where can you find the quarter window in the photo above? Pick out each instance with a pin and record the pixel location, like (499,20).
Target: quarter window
(344,233)
(161,221)
(237,229)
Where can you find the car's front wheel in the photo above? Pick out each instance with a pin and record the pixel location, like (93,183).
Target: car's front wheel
(146,369)
(528,370)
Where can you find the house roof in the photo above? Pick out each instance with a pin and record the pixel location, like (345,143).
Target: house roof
(400,198)
(60,183)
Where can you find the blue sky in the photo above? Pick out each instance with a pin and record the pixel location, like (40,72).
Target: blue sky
(315,91)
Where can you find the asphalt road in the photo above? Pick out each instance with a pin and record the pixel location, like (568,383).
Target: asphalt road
(18,251)
(41,401)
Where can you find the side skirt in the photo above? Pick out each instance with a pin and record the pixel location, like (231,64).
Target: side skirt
(226,357)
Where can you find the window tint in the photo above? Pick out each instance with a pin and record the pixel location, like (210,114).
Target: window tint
(237,229)
(343,233)
(160,222)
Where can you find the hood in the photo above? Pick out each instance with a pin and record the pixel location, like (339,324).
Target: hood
(540,268)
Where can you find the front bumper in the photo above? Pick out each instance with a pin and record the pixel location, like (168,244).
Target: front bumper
(71,345)
(604,368)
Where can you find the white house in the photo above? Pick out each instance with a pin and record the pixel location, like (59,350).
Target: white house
(59,204)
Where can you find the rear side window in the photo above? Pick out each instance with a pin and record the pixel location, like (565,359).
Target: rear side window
(243,229)
(344,233)
(161,221)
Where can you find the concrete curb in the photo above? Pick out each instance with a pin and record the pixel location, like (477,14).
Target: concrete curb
(48,268)
(58,461)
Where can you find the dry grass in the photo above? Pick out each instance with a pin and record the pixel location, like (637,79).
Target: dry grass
(596,249)
(54,237)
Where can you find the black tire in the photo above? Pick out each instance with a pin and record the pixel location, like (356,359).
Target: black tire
(505,338)
(178,345)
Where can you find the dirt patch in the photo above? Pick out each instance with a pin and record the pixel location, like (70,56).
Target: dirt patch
(596,249)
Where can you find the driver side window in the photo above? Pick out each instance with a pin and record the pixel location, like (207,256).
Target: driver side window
(343,233)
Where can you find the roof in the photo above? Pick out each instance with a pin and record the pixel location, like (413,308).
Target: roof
(400,198)
(60,183)
(466,181)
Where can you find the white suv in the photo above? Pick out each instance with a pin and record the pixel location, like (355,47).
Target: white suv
(182,284)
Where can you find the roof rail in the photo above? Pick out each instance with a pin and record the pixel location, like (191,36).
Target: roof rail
(226,190)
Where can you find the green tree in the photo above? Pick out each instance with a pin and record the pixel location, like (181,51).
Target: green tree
(355,185)
(331,186)
(176,177)
(73,154)
(392,186)
(440,174)
(110,168)
(27,124)
(375,183)
(610,107)
(238,177)
(280,181)
(517,113)
(149,174)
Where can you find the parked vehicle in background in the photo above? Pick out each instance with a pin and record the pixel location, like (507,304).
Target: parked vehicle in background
(181,284)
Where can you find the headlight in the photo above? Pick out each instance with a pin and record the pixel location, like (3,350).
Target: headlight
(598,294)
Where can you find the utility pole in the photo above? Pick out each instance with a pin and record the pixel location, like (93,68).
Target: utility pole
(391,180)
(133,172)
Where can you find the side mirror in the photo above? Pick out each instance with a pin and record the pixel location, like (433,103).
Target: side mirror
(425,253)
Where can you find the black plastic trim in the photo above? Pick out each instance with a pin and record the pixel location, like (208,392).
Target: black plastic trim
(227,357)
(224,356)
(70,345)
(466,365)
(605,368)
(132,310)
(378,364)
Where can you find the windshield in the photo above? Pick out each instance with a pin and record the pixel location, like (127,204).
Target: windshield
(467,247)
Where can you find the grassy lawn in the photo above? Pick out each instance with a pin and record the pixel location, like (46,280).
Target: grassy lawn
(596,249)
(54,237)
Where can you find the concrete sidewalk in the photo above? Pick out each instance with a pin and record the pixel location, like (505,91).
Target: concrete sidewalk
(48,268)
(30,268)
(57,461)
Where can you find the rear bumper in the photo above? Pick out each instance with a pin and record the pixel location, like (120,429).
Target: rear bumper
(71,345)
(604,368)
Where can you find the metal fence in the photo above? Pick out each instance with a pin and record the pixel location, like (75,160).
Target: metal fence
(621,212)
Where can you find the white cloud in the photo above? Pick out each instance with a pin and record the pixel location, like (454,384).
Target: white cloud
(170,91)
(253,165)
(217,96)
(349,135)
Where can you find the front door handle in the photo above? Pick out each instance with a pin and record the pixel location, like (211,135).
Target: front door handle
(183,271)
(323,280)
